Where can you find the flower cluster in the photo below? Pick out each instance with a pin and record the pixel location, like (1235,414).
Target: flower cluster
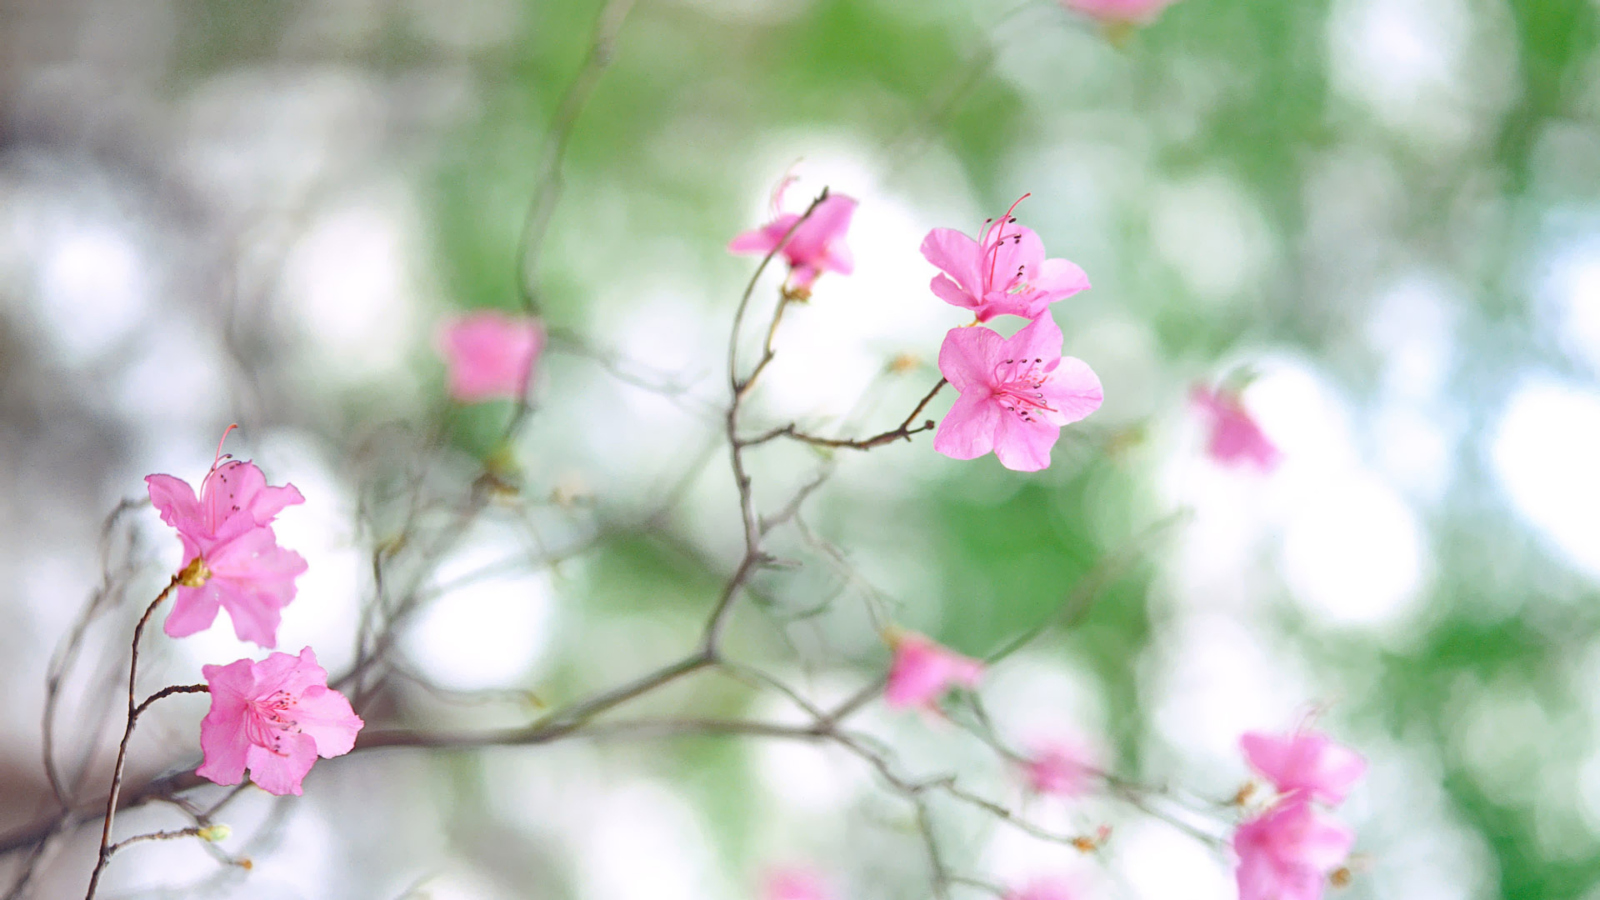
(231,557)
(276,716)
(1288,851)
(1015,393)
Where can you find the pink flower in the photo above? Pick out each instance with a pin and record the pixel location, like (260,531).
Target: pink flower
(1288,852)
(1236,439)
(1002,272)
(1129,12)
(231,557)
(1061,767)
(1305,764)
(922,671)
(1016,393)
(795,884)
(490,355)
(274,717)
(817,245)
(1044,889)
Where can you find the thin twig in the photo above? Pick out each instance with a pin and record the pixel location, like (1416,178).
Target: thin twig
(153,836)
(542,207)
(903,432)
(134,709)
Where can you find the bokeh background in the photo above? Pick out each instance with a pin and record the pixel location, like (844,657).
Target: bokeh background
(1386,211)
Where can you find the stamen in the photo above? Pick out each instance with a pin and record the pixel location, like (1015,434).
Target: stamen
(1000,235)
(220,457)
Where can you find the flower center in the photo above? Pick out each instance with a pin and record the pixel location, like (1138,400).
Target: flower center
(1017,388)
(269,719)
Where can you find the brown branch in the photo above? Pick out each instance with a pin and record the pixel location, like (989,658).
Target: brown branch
(154,836)
(903,432)
(134,709)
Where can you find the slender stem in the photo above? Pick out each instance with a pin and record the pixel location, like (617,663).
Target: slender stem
(542,207)
(154,836)
(134,708)
(903,432)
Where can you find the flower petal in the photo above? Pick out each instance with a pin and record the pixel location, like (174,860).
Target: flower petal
(1040,339)
(1073,389)
(282,772)
(193,610)
(967,358)
(763,240)
(952,293)
(326,715)
(958,255)
(175,500)
(1060,278)
(1012,252)
(1024,446)
(968,430)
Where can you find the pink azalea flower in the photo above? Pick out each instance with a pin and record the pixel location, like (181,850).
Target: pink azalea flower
(1044,889)
(923,671)
(1236,439)
(274,717)
(1123,12)
(795,884)
(490,354)
(1061,767)
(1002,272)
(816,246)
(1016,393)
(1288,852)
(1305,764)
(227,538)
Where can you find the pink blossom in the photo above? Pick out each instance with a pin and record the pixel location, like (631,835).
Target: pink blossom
(1236,439)
(1002,272)
(490,354)
(1044,889)
(231,558)
(1130,12)
(1288,852)
(1305,764)
(923,670)
(274,717)
(1016,393)
(817,245)
(795,884)
(1062,767)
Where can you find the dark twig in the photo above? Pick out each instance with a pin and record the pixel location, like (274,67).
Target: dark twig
(903,432)
(134,709)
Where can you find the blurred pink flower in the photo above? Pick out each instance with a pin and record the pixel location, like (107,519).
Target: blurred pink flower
(231,558)
(1236,439)
(1016,393)
(1003,272)
(1062,767)
(1288,852)
(274,717)
(923,671)
(816,245)
(795,883)
(1132,12)
(490,354)
(1305,764)
(1044,889)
